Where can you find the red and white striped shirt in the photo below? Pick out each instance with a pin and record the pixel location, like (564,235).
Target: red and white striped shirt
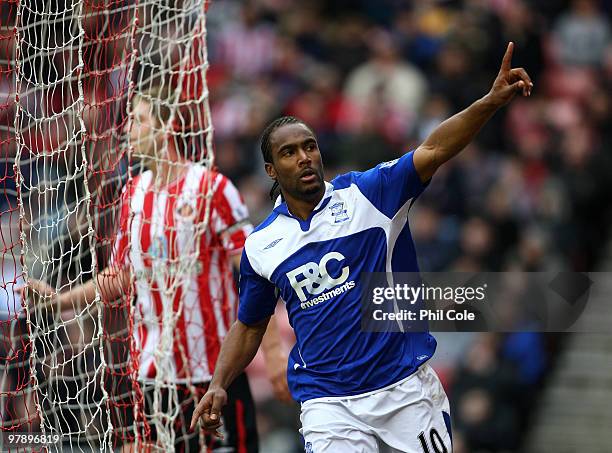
(185,294)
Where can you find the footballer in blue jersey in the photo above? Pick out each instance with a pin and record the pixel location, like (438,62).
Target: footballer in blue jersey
(359,225)
(357,389)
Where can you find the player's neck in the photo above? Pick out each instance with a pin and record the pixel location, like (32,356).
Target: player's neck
(168,172)
(302,207)
(171,168)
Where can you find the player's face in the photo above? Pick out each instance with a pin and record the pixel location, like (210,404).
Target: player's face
(296,162)
(145,130)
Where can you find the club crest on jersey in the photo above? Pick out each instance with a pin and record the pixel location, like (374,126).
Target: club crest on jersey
(184,210)
(158,248)
(339,213)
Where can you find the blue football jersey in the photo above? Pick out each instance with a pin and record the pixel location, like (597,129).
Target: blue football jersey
(360,225)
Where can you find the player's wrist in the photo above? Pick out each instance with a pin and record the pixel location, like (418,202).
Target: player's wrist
(217,385)
(490,102)
(217,391)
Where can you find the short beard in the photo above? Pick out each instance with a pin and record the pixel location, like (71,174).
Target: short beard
(311,193)
(308,194)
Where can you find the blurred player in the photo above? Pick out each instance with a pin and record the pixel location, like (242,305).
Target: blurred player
(177,266)
(357,389)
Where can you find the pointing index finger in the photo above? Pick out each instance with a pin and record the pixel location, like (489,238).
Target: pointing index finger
(195,417)
(507,60)
(199,411)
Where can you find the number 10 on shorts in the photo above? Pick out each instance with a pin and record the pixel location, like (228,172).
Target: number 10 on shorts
(434,439)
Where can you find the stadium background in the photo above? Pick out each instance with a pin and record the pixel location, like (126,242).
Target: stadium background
(532,193)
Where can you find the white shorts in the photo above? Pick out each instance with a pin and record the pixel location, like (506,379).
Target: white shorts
(412,415)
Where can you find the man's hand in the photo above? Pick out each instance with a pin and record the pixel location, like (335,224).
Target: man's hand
(237,351)
(209,411)
(36,293)
(452,135)
(509,81)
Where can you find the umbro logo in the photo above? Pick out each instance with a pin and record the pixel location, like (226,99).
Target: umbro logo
(272,244)
(391,163)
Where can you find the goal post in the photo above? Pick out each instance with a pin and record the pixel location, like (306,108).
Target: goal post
(71,73)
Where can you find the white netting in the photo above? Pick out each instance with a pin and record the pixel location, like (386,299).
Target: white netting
(73,76)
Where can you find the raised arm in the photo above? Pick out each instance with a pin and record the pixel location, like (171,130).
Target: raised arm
(237,351)
(450,137)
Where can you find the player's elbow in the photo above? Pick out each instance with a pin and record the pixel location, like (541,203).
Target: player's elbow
(426,161)
(251,329)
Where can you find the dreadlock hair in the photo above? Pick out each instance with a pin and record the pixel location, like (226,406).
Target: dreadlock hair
(266,147)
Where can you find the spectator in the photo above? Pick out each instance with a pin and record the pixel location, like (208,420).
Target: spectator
(247,46)
(385,80)
(582,35)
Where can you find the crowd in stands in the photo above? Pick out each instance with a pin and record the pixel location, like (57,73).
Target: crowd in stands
(532,193)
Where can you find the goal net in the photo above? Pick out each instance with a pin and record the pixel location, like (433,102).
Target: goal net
(96,95)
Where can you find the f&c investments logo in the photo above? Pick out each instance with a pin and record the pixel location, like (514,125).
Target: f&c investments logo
(314,279)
